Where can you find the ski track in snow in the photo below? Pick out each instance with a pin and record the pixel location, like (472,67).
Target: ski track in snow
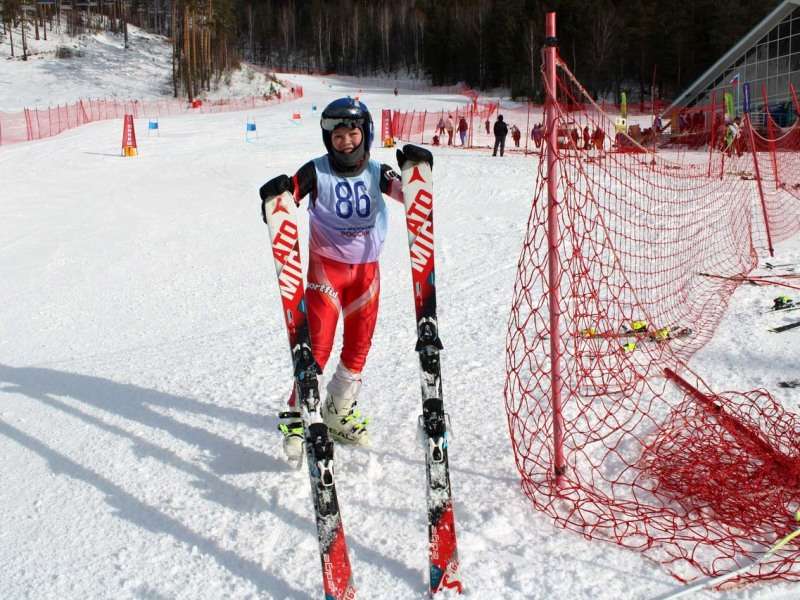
(143,358)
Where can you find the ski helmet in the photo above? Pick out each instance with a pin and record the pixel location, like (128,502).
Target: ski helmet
(347,112)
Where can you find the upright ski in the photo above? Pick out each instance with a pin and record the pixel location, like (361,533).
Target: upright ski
(417,180)
(337,577)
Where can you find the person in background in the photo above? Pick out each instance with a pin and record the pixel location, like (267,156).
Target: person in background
(732,138)
(440,126)
(537,134)
(599,138)
(488,125)
(450,127)
(500,133)
(462,130)
(516,134)
(587,138)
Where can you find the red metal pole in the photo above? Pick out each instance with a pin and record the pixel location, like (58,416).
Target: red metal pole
(553,270)
(758,183)
(794,101)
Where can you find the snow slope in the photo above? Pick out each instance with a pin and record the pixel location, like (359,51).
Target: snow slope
(99,66)
(143,358)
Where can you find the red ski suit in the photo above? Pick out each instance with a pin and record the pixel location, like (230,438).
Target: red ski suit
(333,287)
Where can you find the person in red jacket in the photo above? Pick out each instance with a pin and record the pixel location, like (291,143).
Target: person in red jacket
(516,135)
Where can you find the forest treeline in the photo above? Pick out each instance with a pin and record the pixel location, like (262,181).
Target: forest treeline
(609,44)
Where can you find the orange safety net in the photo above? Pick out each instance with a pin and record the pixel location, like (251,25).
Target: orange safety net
(615,437)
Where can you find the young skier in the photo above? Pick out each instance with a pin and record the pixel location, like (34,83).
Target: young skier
(348,222)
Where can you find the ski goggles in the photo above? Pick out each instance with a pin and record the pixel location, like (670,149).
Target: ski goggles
(349,122)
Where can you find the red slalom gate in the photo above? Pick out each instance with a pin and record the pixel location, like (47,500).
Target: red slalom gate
(129,147)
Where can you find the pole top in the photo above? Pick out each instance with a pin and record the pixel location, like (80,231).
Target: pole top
(550,25)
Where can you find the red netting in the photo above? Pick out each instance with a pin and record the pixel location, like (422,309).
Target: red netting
(603,310)
(34,123)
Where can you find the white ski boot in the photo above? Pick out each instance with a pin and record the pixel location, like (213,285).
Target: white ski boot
(291,426)
(345,422)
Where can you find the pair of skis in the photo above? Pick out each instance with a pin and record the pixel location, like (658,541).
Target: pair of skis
(337,577)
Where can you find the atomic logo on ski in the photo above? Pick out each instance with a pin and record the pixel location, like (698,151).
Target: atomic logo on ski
(279,207)
(415,176)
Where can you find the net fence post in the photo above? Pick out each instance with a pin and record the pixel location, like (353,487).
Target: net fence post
(759,183)
(553,269)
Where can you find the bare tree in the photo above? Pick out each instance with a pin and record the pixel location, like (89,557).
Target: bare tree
(605,29)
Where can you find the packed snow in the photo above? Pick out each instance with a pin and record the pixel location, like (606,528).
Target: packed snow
(143,358)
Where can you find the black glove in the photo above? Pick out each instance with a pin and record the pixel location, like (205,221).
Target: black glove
(274,187)
(415,154)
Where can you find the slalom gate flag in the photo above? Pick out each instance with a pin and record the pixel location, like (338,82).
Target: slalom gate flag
(623,105)
(729,105)
(746,90)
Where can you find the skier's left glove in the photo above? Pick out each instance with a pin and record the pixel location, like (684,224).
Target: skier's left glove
(416,154)
(274,187)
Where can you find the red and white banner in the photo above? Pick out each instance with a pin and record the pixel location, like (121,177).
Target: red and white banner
(386,124)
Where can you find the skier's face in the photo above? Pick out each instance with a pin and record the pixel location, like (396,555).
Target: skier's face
(346,140)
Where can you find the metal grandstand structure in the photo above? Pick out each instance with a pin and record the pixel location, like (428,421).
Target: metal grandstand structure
(769,55)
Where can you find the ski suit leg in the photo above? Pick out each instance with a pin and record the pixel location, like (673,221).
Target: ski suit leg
(360,309)
(354,290)
(326,280)
(322,308)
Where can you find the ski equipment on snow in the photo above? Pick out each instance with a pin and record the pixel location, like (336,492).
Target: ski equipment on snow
(717,581)
(337,578)
(641,331)
(782,266)
(783,328)
(443,563)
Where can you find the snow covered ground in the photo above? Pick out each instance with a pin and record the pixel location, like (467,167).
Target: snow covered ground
(99,66)
(143,358)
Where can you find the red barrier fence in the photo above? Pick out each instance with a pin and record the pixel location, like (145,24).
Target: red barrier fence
(615,436)
(35,123)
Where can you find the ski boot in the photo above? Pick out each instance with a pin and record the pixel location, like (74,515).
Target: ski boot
(291,426)
(345,422)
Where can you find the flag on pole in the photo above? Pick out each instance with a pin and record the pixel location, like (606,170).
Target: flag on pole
(728,97)
(735,80)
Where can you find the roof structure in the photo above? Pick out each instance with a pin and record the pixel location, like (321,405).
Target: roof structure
(769,54)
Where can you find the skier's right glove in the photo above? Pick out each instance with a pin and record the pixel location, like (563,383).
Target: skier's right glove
(274,187)
(415,154)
